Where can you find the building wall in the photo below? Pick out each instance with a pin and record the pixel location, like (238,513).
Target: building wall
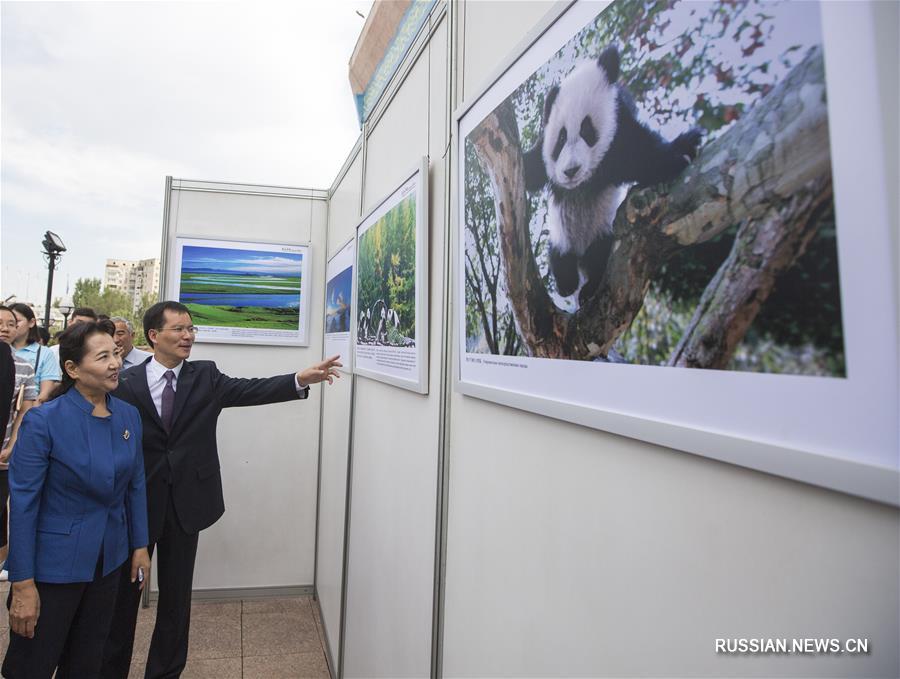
(135,278)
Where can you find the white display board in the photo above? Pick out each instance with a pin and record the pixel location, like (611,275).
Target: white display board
(644,556)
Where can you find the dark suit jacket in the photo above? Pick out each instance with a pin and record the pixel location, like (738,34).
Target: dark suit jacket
(187,458)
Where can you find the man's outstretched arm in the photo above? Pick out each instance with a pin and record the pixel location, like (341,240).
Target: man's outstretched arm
(237,391)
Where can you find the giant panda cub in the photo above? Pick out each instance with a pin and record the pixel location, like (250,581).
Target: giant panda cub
(591,145)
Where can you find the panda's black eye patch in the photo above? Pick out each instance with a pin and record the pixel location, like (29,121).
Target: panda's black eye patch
(588,131)
(560,143)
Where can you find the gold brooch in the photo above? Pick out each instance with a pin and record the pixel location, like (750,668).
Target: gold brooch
(126,435)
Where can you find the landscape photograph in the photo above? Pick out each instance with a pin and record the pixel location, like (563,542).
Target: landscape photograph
(337,302)
(241,288)
(387,278)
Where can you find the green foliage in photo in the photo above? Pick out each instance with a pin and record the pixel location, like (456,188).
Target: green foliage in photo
(387,266)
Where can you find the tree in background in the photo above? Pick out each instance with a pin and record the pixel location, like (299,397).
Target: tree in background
(110,301)
(113,302)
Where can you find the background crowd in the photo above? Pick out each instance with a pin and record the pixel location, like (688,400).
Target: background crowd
(102,462)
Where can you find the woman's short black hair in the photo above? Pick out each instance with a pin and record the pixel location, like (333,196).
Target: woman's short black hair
(72,347)
(156,316)
(24,310)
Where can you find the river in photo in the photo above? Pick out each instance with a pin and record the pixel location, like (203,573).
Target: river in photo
(229,299)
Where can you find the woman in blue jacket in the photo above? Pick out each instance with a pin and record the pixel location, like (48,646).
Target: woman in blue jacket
(78,510)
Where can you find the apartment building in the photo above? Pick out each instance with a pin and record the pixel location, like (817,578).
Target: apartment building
(134,277)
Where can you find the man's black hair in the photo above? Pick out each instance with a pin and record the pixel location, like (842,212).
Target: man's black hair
(155,316)
(85,311)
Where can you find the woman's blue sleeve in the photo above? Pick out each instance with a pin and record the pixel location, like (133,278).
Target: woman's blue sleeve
(27,473)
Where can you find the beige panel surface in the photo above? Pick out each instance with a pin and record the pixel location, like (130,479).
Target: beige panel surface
(336,405)
(343,216)
(199,213)
(577,553)
(492,29)
(343,208)
(395,437)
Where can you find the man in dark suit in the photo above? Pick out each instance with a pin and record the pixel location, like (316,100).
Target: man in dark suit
(180,402)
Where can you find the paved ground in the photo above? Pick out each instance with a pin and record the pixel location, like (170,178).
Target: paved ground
(265,638)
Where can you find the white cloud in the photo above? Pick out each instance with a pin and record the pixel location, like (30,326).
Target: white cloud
(102,100)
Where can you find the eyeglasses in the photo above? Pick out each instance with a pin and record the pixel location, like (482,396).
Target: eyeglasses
(181,329)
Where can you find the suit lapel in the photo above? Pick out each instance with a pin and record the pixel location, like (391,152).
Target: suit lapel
(183,390)
(138,383)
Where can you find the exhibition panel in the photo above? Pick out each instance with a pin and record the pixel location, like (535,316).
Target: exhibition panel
(577,552)
(391,541)
(534,513)
(334,445)
(258,447)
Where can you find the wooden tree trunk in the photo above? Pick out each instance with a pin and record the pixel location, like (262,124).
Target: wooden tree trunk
(541,324)
(762,250)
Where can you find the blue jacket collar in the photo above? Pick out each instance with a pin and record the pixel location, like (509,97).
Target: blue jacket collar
(75,397)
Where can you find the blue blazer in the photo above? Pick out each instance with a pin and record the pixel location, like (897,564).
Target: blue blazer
(76,485)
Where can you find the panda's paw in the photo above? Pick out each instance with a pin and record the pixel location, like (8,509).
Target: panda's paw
(687,143)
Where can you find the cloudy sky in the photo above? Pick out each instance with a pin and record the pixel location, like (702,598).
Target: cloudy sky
(100,101)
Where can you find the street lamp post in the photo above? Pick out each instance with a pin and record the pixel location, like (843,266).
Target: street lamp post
(65,308)
(53,249)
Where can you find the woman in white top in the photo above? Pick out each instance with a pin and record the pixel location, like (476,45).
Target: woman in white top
(27,345)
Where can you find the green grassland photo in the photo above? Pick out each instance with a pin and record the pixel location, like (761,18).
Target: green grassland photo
(236,288)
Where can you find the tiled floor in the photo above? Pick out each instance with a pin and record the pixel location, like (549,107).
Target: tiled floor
(271,638)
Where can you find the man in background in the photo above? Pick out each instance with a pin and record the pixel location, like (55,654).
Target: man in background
(124,339)
(80,314)
(23,395)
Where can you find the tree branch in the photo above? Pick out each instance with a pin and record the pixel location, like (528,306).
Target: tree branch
(763,249)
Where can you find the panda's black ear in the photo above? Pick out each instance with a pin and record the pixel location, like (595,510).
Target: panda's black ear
(549,98)
(609,62)
(535,173)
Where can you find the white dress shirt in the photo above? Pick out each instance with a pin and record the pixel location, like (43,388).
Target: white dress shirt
(156,380)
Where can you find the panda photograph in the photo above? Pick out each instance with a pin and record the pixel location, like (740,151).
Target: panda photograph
(659,192)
